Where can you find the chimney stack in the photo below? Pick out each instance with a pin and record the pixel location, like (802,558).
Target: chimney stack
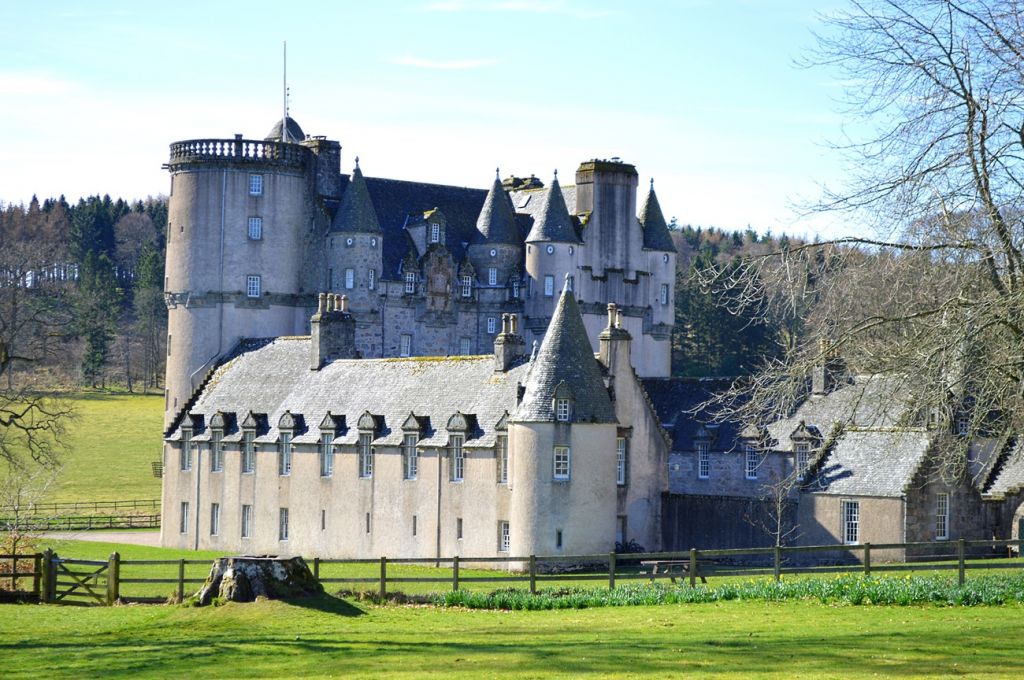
(508,345)
(614,341)
(829,371)
(332,331)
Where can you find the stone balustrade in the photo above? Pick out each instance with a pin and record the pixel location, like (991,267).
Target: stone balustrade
(238,150)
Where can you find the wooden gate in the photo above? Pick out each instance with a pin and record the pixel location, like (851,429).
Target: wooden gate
(82,582)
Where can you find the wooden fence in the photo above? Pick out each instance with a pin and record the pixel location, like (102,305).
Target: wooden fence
(54,579)
(95,507)
(85,522)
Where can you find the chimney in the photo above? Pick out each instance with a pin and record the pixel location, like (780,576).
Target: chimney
(614,342)
(508,345)
(332,331)
(829,370)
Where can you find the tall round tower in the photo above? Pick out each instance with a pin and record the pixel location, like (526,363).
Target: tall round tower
(239,216)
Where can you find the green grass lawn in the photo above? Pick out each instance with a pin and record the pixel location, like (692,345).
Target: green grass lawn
(111,443)
(331,637)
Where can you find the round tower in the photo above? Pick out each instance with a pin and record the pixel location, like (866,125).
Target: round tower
(652,356)
(496,250)
(238,217)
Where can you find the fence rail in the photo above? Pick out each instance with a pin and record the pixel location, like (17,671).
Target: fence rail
(80,507)
(85,522)
(96,581)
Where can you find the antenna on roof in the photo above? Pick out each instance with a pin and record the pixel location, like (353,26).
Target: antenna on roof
(284,87)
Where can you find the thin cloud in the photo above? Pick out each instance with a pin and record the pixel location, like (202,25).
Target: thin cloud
(443,64)
(533,6)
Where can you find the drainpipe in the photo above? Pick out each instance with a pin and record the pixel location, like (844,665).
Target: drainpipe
(199,474)
(437,545)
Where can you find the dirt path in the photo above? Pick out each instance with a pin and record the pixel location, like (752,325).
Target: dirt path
(148,538)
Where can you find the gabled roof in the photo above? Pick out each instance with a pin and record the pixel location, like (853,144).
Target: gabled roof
(656,235)
(677,402)
(497,221)
(871,463)
(566,356)
(1010,477)
(552,221)
(274,378)
(355,212)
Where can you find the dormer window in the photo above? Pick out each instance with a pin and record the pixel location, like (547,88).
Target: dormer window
(435,232)
(515,290)
(561,403)
(803,456)
(963,426)
(284,455)
(467,285)
(562,410)
(186,450)
(410,282)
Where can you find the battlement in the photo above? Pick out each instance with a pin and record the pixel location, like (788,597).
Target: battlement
(238,150)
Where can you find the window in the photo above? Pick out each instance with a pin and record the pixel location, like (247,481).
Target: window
(186,450)
(246,521)
(435,232)
(570,282)
(558,539)
(216,453)
(365,456)
(467,285)
(458,458)
(367,522)
(214,519)
(942,516)
(663,297)
(753,459)
(703,460)
(371,280)
(465,346)
(504,537)
(350,278)
(501,458)
(492,325)
(252,286)
(410,458)
(492,276)
(620,461)
(803,457)
(248,452)
(549,286)
(515,290)
(562,410)
(255,185)
(405,347)
(323,520)
(255,228)
(184,518)
(282,525)
(410,282)
(330,278)
(458,528)
(963,426)
(326,455)
(284,455)
(561,463)
(851,522)
(414,525)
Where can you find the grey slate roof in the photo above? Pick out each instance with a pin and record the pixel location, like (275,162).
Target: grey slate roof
(552,221)
(871,463)
(656,235)
(565,357)
(497,221)
(275,378)
(676,401)
(1010,477)
(295,133)
(356,212)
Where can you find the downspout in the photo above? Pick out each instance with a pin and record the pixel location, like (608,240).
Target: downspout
(199,474)
(437,546)
(220,261)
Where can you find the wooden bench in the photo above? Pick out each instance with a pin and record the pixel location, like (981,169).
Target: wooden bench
(670,568)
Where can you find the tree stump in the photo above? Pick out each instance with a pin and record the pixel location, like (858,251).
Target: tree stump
(243,579)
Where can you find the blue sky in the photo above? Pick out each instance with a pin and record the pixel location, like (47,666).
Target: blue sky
(702,96)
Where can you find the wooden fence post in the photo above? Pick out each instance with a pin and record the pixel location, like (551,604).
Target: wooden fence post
(383,587)
(867,559)
(49,576)
(961,566)
(693,568)
(777,566)
(533,574)
(611,571)
(113,579)
(455,573)
(37,573)
(181,580)
(316,568)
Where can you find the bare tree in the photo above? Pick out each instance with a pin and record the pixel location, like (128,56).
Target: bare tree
(935,293)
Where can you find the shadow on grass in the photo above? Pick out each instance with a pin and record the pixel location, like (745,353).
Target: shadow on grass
(327,604)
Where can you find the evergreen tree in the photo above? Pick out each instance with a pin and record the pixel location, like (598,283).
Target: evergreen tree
(97,310)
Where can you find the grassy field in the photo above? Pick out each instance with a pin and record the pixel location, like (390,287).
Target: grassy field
(331,637)
(112,442)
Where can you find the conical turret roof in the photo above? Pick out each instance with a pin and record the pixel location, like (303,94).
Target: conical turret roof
(554,222)
(565,361)
(497,221)
(656,236)
(295,133)
(356,213)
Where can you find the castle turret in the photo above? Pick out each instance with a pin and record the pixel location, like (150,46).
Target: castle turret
(355,247)
(497,246)
(562,435)
(606,196)
(661,264)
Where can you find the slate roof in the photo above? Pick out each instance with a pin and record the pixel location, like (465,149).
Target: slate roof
(871,463)
(676,399)
(656,234)
(552,221)
(497,221)
(295,133)
(275,378)
(356,212)
(1010,477)
(565,358)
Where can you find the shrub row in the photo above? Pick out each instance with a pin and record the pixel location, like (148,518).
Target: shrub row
(847,589)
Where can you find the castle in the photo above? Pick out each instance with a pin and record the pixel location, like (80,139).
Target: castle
(361,366)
